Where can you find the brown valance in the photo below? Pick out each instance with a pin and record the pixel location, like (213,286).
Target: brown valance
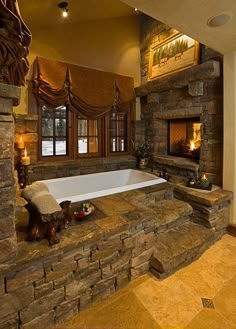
(91,92)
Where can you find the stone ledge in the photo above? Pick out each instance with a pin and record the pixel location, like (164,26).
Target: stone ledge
(178,162)
(10,92)
(205,71)
(207,198)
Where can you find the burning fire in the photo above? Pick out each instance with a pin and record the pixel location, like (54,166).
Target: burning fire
(192,146)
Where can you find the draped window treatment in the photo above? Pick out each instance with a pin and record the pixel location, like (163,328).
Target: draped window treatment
(91,92)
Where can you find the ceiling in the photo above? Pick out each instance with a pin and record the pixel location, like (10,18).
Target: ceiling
(188,16)
(191,16)
(43,13)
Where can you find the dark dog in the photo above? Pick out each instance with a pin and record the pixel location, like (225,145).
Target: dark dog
(46,225)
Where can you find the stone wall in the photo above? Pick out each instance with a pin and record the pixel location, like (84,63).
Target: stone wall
(9,96)
(197,91)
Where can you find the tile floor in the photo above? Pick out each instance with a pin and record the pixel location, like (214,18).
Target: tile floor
(200,296)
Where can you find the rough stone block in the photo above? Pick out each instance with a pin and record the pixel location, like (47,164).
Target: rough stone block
(67,310)
(85,299)
(11,323)
(153,98)
(10,92)
(57,275)
(107,272)
(42,305)
(8,248)
(99,254)
(46,320)
(92,268)
(7,137)
(122,279)
(196,88)
(109,260)
(43,290)
(6,173)
(139,270)
(7,225)
(123,262)
(142,258)
(63,281)
(24,277)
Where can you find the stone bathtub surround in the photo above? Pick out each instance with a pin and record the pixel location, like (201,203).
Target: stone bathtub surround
(129,234)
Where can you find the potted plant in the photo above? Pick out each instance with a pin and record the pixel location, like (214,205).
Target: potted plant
(143,152)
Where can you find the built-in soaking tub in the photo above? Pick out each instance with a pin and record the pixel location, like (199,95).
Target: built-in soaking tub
(85,187)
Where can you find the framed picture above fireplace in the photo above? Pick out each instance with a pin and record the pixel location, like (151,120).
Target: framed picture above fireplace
(175,53)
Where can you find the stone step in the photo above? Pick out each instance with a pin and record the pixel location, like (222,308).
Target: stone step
(178,247)
(170,213)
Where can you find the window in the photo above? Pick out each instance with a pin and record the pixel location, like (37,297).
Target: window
(54,131)
(118,132)
(88,138)
(65,134)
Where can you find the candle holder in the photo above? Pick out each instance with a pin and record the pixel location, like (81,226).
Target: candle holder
(22,167)
(23,176)
(202,184)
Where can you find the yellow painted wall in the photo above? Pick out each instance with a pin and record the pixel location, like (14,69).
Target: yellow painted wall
(110,45)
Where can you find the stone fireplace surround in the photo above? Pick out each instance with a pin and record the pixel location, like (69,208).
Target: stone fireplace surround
(195,92)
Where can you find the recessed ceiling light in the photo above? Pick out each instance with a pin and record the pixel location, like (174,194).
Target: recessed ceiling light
(219,20)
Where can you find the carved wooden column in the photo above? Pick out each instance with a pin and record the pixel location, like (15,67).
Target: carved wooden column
(9,97)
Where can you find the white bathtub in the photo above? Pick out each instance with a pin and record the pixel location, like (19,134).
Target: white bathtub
(85,187)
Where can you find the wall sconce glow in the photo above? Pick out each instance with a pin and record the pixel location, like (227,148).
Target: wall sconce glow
(64,7)
(219,20)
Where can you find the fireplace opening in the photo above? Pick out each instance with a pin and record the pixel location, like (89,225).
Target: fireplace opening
(184,137)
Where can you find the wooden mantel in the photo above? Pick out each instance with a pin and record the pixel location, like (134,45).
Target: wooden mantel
(205,71)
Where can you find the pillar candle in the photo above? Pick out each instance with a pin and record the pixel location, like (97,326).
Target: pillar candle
(25,160)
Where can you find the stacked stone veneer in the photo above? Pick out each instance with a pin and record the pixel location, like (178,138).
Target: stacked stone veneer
(46,285)
(197,91)
(9,96)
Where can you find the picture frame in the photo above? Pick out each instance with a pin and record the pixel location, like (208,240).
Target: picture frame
(175,53)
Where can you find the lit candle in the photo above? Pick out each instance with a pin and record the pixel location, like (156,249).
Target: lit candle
(21,143)
(204,177)
(25,160)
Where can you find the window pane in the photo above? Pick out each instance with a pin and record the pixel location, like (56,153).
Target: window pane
(93,144)
(82,127)
(118,132)
(93,128)
(60,127)
(47,146)
(47,127)
(118,144)
(82,145)
(61,147)
(54,130)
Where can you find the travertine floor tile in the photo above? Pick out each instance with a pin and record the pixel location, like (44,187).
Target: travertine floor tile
(225,300)
(171,302)
(210,319)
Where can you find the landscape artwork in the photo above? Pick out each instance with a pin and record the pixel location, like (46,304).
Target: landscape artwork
(173,54)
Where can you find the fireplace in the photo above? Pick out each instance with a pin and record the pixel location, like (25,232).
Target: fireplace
(184,137)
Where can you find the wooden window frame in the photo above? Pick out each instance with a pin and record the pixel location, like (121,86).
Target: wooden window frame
(103,137)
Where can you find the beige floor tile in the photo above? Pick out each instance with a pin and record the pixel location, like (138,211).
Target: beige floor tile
(125,312)
(171,302)
(225,300)
(210,319)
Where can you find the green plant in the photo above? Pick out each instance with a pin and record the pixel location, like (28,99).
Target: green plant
(144,150)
